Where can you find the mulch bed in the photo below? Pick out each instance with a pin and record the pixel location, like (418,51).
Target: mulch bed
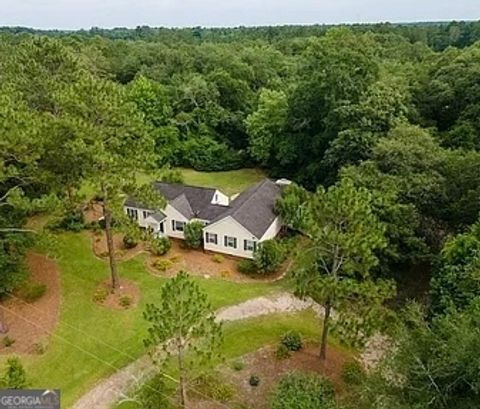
(113,300)
(93,212)
(269,369)
(30,323)
(99,246)
(201,263)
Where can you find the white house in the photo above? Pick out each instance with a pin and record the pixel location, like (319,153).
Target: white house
(234,227)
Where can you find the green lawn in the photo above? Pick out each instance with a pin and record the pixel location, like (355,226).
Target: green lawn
(73,371)
(245,336)
(230,182)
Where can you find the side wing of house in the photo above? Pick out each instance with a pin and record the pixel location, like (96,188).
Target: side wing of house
(175,222)
(229,237)
(139,214)
(273,229)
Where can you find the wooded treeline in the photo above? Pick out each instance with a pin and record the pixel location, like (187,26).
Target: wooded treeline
(438,35)
(375,103)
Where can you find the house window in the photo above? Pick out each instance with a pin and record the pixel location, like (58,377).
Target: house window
(133,213)
(249,245)
(162,229)
(177,226)
(230,242)
(211,238)
(146,214)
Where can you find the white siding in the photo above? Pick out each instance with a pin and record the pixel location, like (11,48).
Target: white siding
(229,227)
(173,214)
(155,226)
(142,221)
(273,230)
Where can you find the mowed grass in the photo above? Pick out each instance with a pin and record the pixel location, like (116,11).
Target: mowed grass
(91,341)
(229,182)
(246,336)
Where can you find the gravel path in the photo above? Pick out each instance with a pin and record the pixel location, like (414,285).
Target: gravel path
(110,390)
(115,387)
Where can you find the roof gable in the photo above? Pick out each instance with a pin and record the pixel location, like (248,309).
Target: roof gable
(254,208)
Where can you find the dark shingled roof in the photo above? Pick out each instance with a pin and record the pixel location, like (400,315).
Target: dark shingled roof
(191,201)
(158,216)
(254,208)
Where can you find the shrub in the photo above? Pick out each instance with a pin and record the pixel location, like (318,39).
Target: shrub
(73,220)
(282,352)
(100,295)
(125,301)
(304,391)
(7,341)
(210,385)
(163,265)
(31,292)
(353,372)
(268,256)
(218,258)
(193,234)
(15,376)
(238,365)
(160,245)
(95,227)
(129,242)
(40,347)
(153,394)
(175,259)
(225,273)
(292,341)
(254,380)
(247,267)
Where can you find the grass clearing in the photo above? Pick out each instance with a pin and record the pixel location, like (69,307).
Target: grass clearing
(65,364)
(230,182)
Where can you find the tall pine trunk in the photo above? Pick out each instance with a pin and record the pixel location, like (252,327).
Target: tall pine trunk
(183,388)
(107,214)
(326,319)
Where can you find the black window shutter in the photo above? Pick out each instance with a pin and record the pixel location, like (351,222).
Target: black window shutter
(173,224)
(234,242)
(245,245)
(225,241)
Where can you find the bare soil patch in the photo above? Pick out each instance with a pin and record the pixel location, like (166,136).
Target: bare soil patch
(126,297)
(30,323)
(270,369)
(202,263)
(92,212)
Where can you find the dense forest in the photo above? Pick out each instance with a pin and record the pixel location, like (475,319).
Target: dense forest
(394,109)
